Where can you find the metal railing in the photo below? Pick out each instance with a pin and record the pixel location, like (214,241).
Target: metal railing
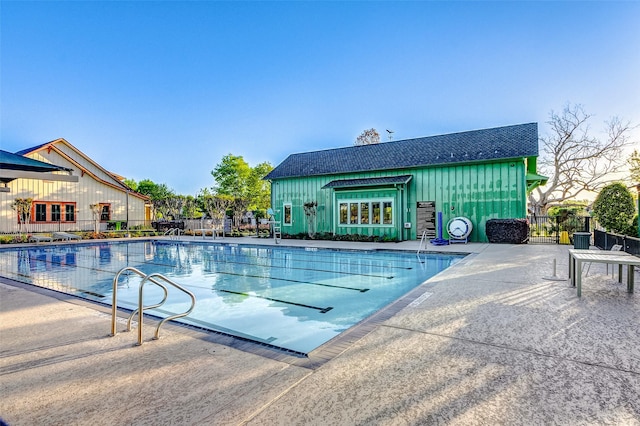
(605,240)
(77,226)
(173,233)
(277,233)
(423,242)
(155,279)
(551,229)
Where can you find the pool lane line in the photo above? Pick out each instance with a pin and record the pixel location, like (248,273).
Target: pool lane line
(319,251)
(321,310)
(256,264)
(361,290)
(302,254)
(235,263)
(311,269)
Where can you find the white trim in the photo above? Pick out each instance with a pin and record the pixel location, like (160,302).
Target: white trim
(20,174)
(284,214)
(359,201)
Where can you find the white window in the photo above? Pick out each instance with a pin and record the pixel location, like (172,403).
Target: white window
(286,218)
(365,212)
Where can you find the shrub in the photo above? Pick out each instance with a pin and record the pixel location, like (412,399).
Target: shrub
(614,208)
(508,231)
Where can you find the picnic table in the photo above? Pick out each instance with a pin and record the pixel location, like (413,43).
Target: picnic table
(577,258)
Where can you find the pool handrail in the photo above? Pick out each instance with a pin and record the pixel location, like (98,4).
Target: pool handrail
(423,241)
(140,310)
(114,307)
(152,277)
(172,232)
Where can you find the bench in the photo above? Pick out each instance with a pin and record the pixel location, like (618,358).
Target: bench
(40,238)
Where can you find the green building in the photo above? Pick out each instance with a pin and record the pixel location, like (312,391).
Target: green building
(394,190)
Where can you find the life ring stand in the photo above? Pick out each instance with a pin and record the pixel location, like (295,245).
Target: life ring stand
(459,229)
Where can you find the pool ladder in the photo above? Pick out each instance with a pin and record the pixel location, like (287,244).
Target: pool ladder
(277,233)
(158,280)
(423,243)
(174,233)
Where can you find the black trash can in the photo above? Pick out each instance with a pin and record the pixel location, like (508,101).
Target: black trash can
(582,240)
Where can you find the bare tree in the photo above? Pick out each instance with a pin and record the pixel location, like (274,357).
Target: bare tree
(173,206)
(575,161)
(368,137)
(23,207)
(239,207)
(216,206)
(96,209)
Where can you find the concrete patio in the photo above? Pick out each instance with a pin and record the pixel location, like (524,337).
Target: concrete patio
(488,341)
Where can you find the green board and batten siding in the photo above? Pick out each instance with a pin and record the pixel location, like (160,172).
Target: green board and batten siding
(480,174)
(476,191)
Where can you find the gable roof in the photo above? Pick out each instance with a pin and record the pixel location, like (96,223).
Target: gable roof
(114,180)
(506,142)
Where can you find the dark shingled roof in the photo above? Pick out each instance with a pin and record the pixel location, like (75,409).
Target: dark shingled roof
(377,181)
(516,141)
(33,148)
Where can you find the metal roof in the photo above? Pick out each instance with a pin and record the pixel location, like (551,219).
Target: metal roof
(377,181)
(497,143)
(9,161)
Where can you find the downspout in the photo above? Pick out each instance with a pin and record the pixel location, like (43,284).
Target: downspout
(334,213)
(405,213)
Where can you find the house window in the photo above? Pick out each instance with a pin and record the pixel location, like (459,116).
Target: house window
(70,213)
(387,213)
(41,213)
(365,212)
(375,210)
(105,212)
(287,214)
(353,217)
(55,212)
(343,214)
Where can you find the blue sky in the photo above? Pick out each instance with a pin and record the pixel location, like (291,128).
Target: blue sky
(163,90)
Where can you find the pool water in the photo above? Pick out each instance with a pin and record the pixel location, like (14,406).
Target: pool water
(291,298)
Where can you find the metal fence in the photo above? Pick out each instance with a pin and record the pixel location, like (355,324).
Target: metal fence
(555,230)
(80,226)
(604,241)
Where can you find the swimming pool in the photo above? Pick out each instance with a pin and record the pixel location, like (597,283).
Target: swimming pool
(287,297)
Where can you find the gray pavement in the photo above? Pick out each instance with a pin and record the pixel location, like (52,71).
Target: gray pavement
(488,341)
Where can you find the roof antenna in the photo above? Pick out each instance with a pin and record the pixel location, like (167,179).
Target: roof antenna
(390,134)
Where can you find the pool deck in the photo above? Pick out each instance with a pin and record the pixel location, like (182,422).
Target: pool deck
(488,341)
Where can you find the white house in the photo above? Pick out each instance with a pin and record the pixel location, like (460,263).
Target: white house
(74,195)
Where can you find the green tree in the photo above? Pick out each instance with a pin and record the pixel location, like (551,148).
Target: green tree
(231,176)
(131,183)
(159,195)
(190,208)
(258,189)
(235,178)
(567,216)
(614,208)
